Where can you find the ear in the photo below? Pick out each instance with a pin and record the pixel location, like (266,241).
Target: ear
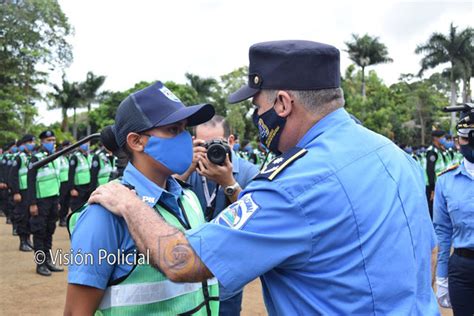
(231,140)
(136,142)
(284,104)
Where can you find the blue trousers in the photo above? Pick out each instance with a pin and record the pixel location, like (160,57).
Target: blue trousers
(461,285)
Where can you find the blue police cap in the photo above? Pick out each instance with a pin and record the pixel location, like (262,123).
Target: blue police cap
(25,139)
(46,134)
(291,65)
(152,107)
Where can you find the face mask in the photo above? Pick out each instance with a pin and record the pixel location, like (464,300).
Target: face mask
(49,147)
(270,126)
(22,148)
(85,147)
(30,147)
(468,152)
(14,150)
(174,153)
(449,144)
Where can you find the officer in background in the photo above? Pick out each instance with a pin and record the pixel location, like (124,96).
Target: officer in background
(103,173)
(62,164)
(435,163)
(82,165)
(454,224)
(337,224)
(19,186)
(218,186)
(43,198)
(10,151)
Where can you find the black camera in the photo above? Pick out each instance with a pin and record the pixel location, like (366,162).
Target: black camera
(217,150)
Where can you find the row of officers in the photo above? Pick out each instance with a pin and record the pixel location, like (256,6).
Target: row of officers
(34,199)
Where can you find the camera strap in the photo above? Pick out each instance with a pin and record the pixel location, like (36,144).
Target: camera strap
(210,198)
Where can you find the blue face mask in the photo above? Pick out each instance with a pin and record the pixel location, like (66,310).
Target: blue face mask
(85,147)
(174,153)
(49,147)
(30,147)
(21,148)
(449,144)
(14,150)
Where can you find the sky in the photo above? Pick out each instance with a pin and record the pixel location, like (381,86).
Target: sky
(130,41)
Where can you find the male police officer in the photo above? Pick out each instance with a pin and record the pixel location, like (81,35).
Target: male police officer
(19,186)
(81,164)
(7,198)
(454,223)
(336,225)
(436,162)
(43,198)
(217,186)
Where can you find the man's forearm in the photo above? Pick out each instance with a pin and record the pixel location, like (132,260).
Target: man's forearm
(169,249)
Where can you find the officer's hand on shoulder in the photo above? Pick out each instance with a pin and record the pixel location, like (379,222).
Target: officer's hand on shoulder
(222,175)
(34,210)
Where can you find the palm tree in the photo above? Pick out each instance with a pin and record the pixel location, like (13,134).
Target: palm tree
(366,51)
(66,97)
(451,48)
(203,86)
(89,90)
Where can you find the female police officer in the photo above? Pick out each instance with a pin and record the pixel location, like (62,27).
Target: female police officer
(454,225)
(150,128)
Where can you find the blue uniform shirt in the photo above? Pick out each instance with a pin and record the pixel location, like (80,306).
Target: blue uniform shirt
(453,215)
(98,231)
(243,172)
(342,230)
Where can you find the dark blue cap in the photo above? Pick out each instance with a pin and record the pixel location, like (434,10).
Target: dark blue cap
(46,134)
(290,65)
(155,106)
(25,139)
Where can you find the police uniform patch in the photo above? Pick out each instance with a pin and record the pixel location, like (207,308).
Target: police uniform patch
(170,95)
(238,213)
(433,158)
(72,162)
(280,163)
(14,163)
(95,164)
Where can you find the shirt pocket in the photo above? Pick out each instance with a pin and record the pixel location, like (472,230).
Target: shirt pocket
(455,213)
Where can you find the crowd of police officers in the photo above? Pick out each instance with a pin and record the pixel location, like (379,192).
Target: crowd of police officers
(33,200)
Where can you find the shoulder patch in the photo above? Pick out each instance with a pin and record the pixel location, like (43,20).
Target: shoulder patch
(238,213)
(280,163)
(453,167)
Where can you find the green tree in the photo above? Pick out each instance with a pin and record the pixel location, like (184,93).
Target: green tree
(89,90)
(366,51)
(453,49)
(32,33)
(203,86)
(66,97)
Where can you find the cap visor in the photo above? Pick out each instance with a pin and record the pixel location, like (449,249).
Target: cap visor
(195,114)
(242,94)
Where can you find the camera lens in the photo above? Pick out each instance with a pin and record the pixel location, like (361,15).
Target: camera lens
(216,154)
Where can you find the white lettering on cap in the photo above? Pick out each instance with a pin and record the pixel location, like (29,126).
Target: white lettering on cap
(170,95)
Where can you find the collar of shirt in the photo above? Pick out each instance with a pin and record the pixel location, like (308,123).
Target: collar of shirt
(334,118)
(462,170)
(148,191)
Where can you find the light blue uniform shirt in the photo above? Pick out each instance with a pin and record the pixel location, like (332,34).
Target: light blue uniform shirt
(97,229)
(243,172)
(453,215)
(343,230)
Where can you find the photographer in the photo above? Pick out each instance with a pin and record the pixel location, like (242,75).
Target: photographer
(217,186)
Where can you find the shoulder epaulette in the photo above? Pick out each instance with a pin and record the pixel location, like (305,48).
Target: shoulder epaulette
(280,163)
(183,184)
(453,167)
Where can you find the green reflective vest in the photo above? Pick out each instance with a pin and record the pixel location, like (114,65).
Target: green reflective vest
(62,165)
(146,291)
(23,171)
(105,170)
(47,179)
(83,169)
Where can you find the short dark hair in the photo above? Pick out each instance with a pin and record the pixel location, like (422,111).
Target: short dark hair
(216,121)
